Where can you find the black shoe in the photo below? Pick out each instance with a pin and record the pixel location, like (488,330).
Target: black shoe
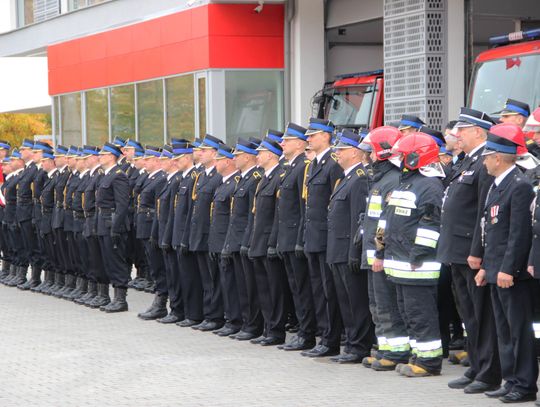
(345,358)
(210,326)
(199,325)
(272,341)
(150,288)
(172,318)
(186,323)
(243,336)
(518,397)
(257,341)
(119,303)
(503,391)
(299,344)
(226,331)
(477,387)
(456,344)
(157,310)
(320,351)
(459,383)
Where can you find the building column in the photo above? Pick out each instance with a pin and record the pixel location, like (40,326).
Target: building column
(306,57)
(421,59)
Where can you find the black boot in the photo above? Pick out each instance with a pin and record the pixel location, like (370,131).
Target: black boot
(60,282)
(55,284)
(20,277)
(102,298)
(83,288)
(11,275)
(35,279)
(5,270)
(119,303)
(91,292)
(71,280)
(158,309)
(48,281)
(77,290)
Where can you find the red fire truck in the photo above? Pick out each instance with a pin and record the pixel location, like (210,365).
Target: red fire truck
(353,100)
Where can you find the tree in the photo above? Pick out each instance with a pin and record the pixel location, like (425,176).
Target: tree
(15,127)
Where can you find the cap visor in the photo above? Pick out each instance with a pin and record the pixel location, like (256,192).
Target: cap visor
(314,131)
(460,125)
(488,152)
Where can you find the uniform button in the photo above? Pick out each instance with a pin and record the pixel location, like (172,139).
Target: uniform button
(536,236)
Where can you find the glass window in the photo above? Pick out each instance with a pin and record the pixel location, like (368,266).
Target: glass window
(202,106)
(253,103)
(97,117)
(56,112)
(180,107)
(495,81)
(71,119)
(25,12)
(150,112)
(76,4)
(123,111)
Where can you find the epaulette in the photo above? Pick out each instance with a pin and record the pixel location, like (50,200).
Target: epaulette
(334,156)
(237,178)
(529,142)
(256,175)
(360,172)
(119,171)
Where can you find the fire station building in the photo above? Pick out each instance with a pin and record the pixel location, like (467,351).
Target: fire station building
(156,69)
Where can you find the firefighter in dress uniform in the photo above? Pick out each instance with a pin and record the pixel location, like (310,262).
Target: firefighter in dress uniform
(506,233)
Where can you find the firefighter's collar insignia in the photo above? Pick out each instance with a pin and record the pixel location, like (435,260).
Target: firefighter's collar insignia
(360,172)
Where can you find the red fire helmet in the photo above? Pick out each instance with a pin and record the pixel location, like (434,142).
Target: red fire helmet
(382,139)
(418,150)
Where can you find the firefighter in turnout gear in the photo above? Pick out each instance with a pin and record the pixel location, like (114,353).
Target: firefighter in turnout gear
(407,237)
(391,331)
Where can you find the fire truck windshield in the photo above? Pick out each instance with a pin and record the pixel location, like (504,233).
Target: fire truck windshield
(351,105)
(497,80)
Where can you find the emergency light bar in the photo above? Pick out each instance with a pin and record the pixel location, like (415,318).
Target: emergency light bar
(357,74)
(515,37)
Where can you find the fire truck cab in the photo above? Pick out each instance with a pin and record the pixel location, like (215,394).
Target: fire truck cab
(353,100)
(511,69)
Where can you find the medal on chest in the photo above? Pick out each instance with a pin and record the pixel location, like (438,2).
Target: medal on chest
(494,211)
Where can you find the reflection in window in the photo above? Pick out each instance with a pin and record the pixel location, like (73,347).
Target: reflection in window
(97,117)
(123,111)
(150,112)
(180,107)
(71,119)
(202,106)
(253,103)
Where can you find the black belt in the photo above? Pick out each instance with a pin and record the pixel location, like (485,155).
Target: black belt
(59,205)
(78,215)
(46,210)
(146,210)
(23,202)
(89,214)
(106,210)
